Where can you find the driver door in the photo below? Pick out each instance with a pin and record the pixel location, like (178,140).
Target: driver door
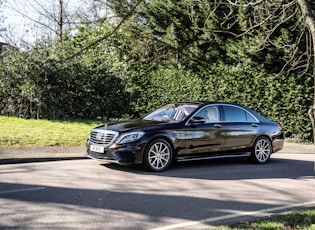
(204,132)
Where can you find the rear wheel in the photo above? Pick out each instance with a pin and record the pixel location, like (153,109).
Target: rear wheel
(158,155)
(261,151)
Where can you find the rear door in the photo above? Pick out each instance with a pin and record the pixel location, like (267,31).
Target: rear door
(240,128)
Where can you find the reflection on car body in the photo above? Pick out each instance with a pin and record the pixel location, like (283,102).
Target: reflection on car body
(186,131)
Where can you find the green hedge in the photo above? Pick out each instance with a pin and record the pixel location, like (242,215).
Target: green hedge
(285,99)
(77,91)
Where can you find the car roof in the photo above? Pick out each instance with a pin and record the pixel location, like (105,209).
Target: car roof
(203,103)
(206,103)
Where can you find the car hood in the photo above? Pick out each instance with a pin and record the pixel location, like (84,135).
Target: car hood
(134,125)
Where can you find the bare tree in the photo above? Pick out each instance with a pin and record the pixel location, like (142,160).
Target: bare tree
(51,18)
(60,20)
(95,10)
(1,17)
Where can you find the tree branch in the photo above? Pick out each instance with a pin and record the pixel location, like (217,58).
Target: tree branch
(95,42)
(245,5)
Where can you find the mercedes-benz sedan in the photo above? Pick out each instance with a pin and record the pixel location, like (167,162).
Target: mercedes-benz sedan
(187,131)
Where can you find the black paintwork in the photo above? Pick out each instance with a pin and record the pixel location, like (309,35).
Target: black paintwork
(192,139)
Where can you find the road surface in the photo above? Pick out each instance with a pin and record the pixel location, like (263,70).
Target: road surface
(86,194)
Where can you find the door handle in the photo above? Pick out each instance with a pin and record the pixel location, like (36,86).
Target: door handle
(255,125)
(217,126)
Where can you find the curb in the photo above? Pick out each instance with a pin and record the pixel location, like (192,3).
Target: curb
(36,160)
(16,155)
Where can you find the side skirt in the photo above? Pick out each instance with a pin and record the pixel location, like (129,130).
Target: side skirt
(196,158)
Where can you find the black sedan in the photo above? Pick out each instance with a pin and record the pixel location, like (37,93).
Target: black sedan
(186,131)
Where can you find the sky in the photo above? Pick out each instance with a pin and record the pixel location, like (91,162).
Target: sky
(18,26)
(21,27)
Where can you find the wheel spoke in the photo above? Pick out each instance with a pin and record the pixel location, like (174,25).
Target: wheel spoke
(154,162)
(163,158)
(160,163)
(165,149)
(160,148)
(151,156)
(156,148)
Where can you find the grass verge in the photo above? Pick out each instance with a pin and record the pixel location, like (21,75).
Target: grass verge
(18,132)
(296,220)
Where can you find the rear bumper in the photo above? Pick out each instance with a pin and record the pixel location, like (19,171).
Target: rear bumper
(277,145)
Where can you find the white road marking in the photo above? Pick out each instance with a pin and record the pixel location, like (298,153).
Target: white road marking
(22,190)
(208,220)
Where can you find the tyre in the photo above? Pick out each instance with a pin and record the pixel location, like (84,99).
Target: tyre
(261,151)
(158,155)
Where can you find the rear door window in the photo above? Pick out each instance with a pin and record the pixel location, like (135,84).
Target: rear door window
(236,114)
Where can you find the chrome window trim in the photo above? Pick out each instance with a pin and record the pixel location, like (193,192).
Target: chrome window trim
(218,105)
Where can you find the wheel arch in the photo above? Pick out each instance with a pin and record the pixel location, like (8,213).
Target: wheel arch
(163,136)
(154,166)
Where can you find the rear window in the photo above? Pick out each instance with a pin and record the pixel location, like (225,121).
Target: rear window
(236,114)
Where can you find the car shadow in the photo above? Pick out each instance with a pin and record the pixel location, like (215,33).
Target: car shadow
(228,169)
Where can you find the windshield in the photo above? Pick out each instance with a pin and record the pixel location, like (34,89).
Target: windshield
(171,112)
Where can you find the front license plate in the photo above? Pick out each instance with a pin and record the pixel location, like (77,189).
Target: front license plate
(98,149)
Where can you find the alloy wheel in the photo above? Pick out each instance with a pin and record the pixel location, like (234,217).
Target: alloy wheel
(262,150)
(159,155)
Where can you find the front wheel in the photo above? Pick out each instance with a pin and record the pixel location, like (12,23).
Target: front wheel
(158,155)
(261,151)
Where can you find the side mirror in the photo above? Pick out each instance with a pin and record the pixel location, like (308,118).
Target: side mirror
(197,120)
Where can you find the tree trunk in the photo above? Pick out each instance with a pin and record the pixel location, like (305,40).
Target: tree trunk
(60,22)
(306,9)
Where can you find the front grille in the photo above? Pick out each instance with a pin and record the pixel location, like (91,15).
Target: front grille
(103,137)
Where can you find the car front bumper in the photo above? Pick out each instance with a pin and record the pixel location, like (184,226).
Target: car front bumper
(120,154)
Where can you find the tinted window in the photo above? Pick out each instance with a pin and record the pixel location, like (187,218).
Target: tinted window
(250,117)
(210,114)
(171,112)
(233,113)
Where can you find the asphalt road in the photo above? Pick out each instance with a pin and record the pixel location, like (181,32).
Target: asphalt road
(86,194)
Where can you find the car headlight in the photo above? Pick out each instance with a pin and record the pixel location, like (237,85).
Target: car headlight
(129,137)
